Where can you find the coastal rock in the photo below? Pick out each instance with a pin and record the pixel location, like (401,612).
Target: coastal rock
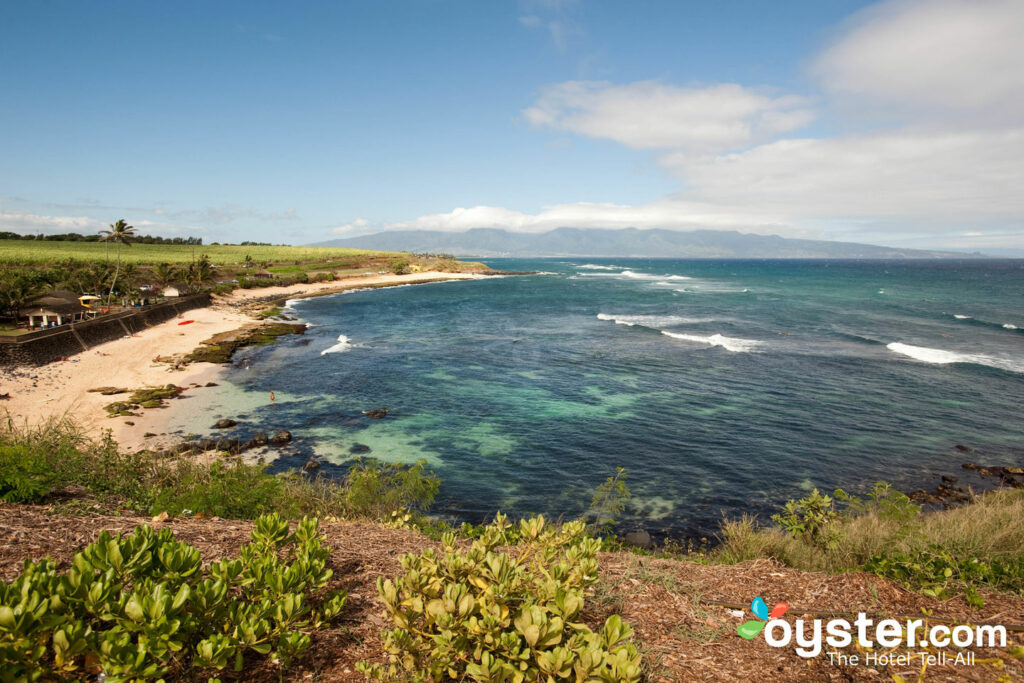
(311,465)
(148,434)
(212,384)
(922,496)
(638,539)
(224,424)
(281,437)
(359,448)
(961,447)
(129,423)
(1013,470)
(259,439)
(376,413)
(228,445)
(108,391)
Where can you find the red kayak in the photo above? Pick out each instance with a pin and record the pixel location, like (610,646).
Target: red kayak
(186,322)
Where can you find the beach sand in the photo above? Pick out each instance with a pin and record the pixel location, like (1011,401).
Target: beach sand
(61,389)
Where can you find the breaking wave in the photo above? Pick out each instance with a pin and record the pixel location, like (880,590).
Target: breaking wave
(943,357)
(342,346)
(728,343)
(655,321)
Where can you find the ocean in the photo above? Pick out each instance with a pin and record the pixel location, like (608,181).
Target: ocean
(723,387)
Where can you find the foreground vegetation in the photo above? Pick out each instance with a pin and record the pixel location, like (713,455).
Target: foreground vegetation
(940,554)
(142,606)
(499,602)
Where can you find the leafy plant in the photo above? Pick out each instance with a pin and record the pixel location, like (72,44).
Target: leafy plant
(23,477)
(374,489)
(813,518)
(609,500)
(142,607)
(884,501)
(502,617)
(938,573)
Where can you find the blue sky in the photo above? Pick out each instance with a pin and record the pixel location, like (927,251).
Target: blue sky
(897,122)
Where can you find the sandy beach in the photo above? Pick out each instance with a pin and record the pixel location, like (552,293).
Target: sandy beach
(62,388)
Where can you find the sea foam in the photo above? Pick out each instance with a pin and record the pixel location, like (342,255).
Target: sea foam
(728,343)
(943,357)
(342,346)
(654,321)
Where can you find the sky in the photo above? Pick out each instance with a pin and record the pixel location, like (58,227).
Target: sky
(899,122)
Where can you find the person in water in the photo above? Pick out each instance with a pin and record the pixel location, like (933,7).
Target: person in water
(271,396)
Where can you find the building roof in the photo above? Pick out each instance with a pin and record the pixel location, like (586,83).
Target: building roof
(264,273)
(42,307)
(63,295)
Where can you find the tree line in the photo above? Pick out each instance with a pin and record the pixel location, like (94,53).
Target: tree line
(75,237)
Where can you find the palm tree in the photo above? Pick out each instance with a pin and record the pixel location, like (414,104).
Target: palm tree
(16,292)
(122,233)
(200,271)
(165,274)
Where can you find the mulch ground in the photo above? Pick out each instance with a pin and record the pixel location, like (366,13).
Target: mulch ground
(675,607)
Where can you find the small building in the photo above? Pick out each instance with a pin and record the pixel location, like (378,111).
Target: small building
(263,275)
(52,310)
(172,291)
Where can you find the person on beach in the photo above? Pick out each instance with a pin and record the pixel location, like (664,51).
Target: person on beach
(271,396)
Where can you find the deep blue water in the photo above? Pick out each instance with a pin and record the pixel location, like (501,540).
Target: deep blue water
(722,386)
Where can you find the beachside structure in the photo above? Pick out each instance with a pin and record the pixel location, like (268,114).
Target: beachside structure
(172,290)
(56,308)
(263,275)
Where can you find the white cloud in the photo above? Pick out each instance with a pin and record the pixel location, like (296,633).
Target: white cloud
(652,115)
(359,226)
(666,213)
(934,57)
(946,175)
(29,223)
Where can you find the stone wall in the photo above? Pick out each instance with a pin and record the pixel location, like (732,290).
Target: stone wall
(45,346)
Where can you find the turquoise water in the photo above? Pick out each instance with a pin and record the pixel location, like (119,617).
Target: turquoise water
(722,386)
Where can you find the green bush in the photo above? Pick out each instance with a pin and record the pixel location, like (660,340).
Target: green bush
(224,489)
(812,518)
(399,266)
(144,608)
(24,478)
(502,617)
(374,489)
(938,573)
(609,501)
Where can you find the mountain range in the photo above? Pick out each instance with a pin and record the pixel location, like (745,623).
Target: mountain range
(492,242)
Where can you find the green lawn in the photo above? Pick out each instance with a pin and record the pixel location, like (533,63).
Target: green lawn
(31,252)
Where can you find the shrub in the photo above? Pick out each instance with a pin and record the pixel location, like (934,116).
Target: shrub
(142,606)
(812,518)
(224,489)
(374,489)
(502,616)
(399,266)
(609,500)
(24,478)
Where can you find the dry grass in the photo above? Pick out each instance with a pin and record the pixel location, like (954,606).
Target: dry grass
(989,528)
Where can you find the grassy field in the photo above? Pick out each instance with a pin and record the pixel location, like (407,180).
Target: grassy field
(26,252)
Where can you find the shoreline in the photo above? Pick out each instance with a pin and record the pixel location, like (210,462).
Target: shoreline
(61,389)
